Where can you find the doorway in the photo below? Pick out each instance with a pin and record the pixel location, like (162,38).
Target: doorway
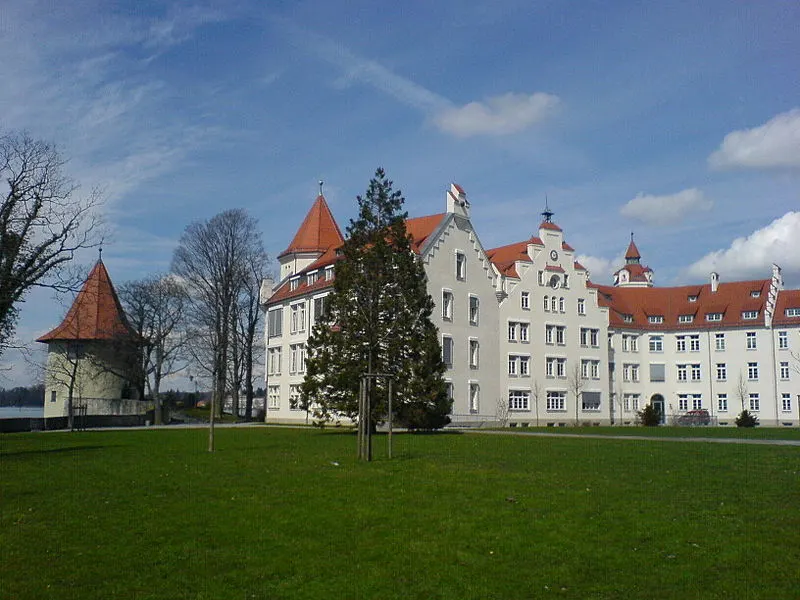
(657,402)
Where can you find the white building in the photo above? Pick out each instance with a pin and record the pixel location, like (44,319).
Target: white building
(528,339)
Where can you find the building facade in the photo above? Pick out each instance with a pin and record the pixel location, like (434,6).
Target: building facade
(529,340)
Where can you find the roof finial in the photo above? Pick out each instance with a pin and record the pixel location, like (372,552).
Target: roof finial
(320,186)
(100,251)
(631,236)
(547,213)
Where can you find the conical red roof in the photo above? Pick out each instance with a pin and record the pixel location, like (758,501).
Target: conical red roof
(96,313)
(318,232)
(633,251)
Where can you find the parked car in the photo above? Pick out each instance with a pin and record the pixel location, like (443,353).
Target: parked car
(694,417)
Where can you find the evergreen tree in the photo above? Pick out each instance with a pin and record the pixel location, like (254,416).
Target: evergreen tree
(378,321)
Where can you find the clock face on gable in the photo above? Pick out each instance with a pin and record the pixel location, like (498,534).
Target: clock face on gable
(553,255)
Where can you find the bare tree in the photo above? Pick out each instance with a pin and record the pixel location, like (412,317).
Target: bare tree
(213,258)
(741,390)
(155,307)
(536,396)
(249,321)
(42,223)
(575,382)
(502,411)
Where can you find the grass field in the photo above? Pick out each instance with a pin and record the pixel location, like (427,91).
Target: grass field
(280,513)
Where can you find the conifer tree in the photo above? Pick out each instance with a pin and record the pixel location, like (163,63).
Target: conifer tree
(378,321)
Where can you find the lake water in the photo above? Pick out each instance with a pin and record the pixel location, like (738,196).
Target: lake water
(24,412)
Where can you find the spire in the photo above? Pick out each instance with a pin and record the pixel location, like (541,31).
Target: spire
(632,256)
(96,313)
(547,214)
(318,232)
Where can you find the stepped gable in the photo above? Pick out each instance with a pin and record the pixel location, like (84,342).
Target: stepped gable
(96,313)
(506,257)
(730,299)
(419,228)
(318,231)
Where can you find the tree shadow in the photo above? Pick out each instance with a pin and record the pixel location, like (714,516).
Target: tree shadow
(50,451)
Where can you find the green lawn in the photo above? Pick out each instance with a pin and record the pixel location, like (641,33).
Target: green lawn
(739,433)
(278,513)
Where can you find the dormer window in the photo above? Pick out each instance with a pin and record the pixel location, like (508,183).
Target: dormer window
(328,273)
(685,318)
(755,294)
(750,315)
(716,316)
(627,318)
(294,283)
(792,312)
(312,277)
(655,319)
(692,298)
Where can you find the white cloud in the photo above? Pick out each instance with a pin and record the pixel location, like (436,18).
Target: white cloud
(775,144)
(666,210)
(500,115)
(600,269)
(752,256)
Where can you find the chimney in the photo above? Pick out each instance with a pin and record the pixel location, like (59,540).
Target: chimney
(267,287)
(714,281)
(457,200)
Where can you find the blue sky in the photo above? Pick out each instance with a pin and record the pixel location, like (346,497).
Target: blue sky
(679,121)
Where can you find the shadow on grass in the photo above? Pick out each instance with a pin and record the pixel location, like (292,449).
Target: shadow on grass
(51,451)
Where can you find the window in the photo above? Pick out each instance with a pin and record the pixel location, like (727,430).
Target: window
(473,354)
(297,362)
(311,278)
(630,402)
(585,368)
(695,372)
(627,318)
(556,401)
(274,397)
(447,351)
(320,308)
(549,330)
(590,401)
(755,294)
(294,283)
(751,340)
(624,343)
(683,402)
(635,401)
(722,402)
(680,342)
(714,316)
(656,343)
(328,273)
(630,372)
(546,303)
(52,396)
(595,369)
(275,323)
(655,319)
(274,361)
(525,301)
(752,371)
(792,312)
(447,305)
(519,331)
(512,365)
(589,337)
(523,332)
(697,402)
(519,365)
(581,306)
(524,365)
(556,367)
(749,315)
(693,298)
(298,318)
(784,371)
(519,400)
(786,403)
(658,372)
(694,343)
(512,331)
(634,339)
(561,335)
(461,266)
(783,340)
(561,305)
(755,402)
(474,397)
(474,309)
(685,318)
(294,397)
(553,301)
(722,372)
(682,372)
(719,341)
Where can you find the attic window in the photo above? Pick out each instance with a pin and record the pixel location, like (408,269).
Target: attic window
(294,283)
(328,273)
(655,319)
(793,312)
(627,318)
(692,298)
(717,316)
(755,294)
(312,277)
(685,318)
(750,314)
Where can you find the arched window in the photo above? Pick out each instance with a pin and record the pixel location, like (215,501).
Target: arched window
(546,303)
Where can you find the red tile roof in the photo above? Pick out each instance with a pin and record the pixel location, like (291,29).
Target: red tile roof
(633,251)
(96,313)
(787,299)
(318,232)
(419,228)
(549,225)
(730,299)
(636,271)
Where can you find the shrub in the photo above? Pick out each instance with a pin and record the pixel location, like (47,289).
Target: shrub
(746,419)
(649,416)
